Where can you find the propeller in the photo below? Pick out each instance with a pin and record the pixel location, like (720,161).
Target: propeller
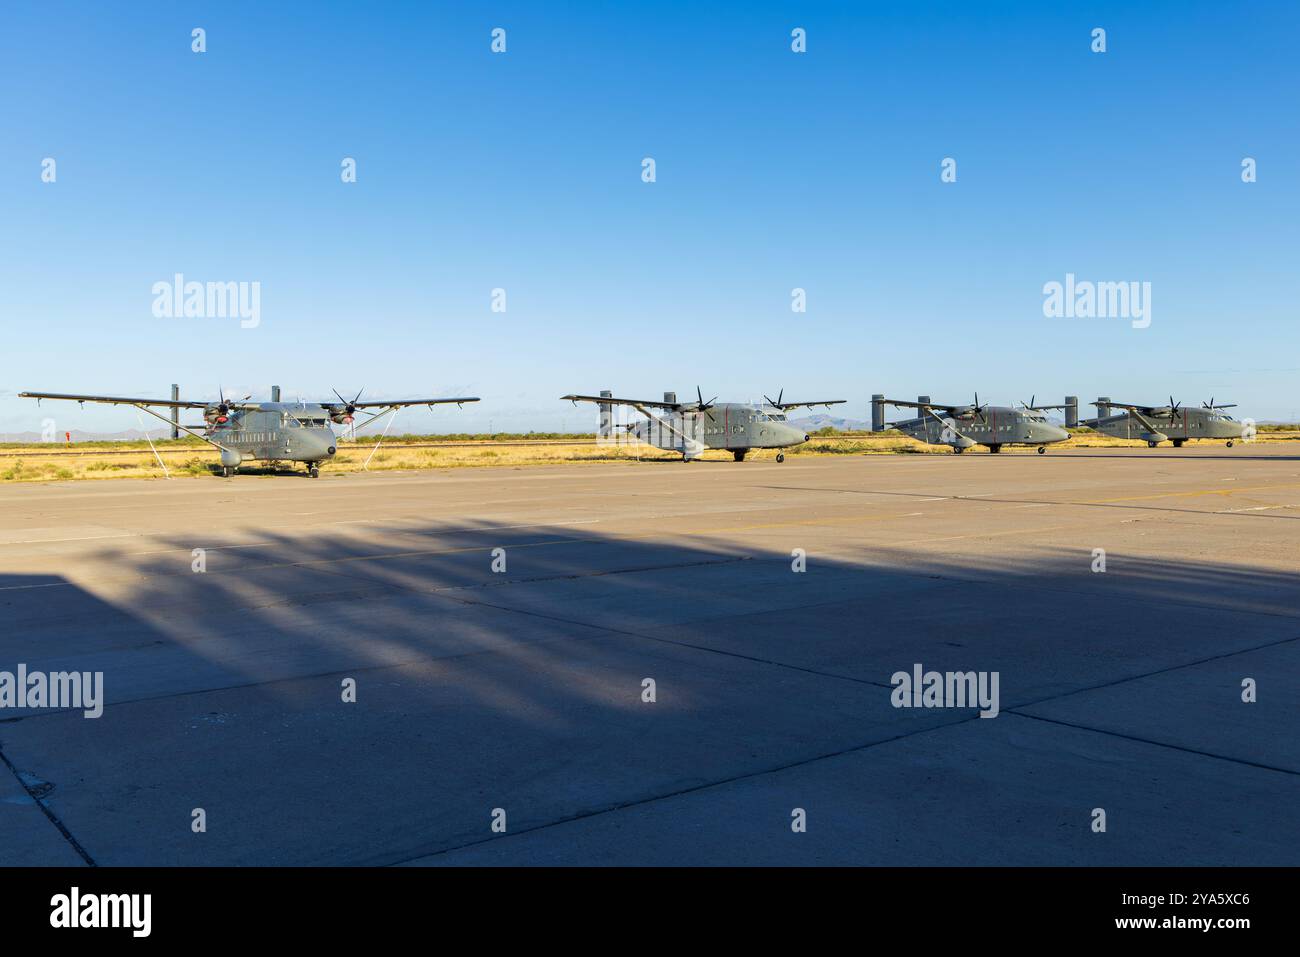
(223,407)
(979,409)
(779,396)
(705,406)
(1212,406)
(1173,409)
(349,406)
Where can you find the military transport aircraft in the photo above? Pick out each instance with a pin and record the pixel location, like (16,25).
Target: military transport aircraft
(264,431)
(692,427)
(961,426)
(1167,423)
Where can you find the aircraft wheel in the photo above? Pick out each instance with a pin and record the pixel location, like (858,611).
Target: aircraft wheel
(958,449)
(314,472)
(995,449)
(1042,449)
(225,471)
(1152,445)
(1229,443)
(780,456)
(739,454)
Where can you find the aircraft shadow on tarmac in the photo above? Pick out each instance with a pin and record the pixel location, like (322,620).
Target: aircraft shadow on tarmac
(523,690)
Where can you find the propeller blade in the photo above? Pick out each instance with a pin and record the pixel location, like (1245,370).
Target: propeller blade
(349,406)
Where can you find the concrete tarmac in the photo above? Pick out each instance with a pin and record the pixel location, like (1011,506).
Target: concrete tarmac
(517,692)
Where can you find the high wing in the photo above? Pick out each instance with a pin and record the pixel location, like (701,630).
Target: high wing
(118,400)
(398,403)
(635,403)
(783,406)
(144,405)
(926,405)
(1130,407)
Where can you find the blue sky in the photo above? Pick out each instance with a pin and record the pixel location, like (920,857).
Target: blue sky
(522,171)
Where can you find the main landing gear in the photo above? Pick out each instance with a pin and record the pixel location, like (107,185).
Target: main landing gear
(227,471)
(1042,449)
(995,449)
(1152,445)
(739,454)
(1229,443)
(1178,443)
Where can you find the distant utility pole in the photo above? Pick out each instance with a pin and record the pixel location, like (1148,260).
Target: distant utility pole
(176,412)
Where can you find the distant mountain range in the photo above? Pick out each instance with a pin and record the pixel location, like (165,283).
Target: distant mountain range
(811,423)
(130,435)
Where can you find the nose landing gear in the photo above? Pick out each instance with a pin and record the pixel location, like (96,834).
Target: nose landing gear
(313,471)
(780,456)
(1042,449)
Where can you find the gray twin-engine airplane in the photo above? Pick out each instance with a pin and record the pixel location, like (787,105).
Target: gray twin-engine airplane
(1167,423)
(264,431)
(962,426)
(692,427)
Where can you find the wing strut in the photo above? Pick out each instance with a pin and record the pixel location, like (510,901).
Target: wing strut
(687,441)
(166,474)
(394,410)
(197,435)
(944,425)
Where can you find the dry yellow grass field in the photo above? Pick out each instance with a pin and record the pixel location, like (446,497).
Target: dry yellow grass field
(190,458)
